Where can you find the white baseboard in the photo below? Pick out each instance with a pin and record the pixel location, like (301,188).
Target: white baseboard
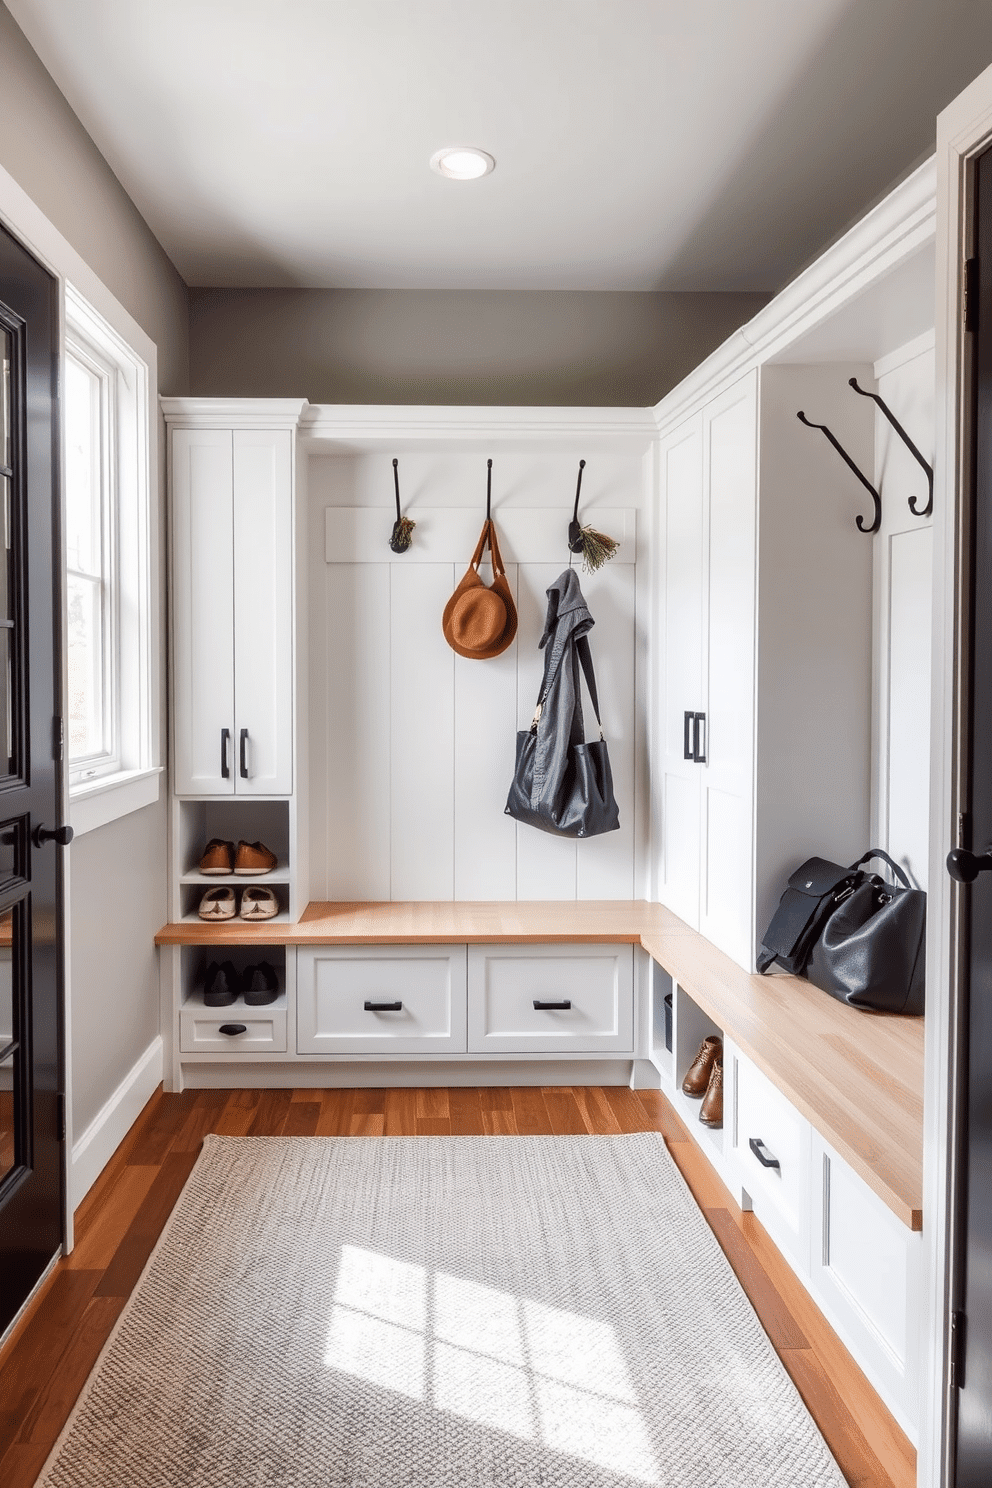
(113,1121)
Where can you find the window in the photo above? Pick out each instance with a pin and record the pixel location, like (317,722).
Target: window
(91,563)
(112,677)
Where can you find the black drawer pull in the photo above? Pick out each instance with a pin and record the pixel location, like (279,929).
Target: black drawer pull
(761,1152)
(225,762)
(551,1007)
(232,1028)
(383,1007)
(243,761)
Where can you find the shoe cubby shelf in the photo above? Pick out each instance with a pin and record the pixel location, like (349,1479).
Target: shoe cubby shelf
(194,999)
(279,874)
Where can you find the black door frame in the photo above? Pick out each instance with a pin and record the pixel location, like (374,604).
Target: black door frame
(40,739)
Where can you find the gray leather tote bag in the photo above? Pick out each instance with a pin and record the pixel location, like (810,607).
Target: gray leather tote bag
(561,784)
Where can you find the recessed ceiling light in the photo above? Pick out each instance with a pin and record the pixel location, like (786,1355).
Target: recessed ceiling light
(462,163)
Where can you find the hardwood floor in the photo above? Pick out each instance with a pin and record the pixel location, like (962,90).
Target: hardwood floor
(44,1365)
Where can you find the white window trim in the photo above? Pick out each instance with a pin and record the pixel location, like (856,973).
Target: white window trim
(116,396)
(133,625)
(99,802)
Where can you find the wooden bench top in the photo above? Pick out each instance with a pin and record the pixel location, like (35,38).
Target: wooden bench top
(857,1077)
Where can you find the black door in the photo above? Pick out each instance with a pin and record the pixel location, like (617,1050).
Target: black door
(31,931)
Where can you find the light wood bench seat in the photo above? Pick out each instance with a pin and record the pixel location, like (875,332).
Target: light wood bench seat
(857,1077)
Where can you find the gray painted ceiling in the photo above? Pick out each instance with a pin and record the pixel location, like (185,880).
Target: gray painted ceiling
(640,144)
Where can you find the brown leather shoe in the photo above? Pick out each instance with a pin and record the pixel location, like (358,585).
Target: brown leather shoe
(218,857)
(697,1076)
(252,858)
(711,1111)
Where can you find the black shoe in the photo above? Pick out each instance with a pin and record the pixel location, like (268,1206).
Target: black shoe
(259,984)
(220,985)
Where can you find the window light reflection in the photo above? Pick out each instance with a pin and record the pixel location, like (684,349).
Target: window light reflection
(504,1362)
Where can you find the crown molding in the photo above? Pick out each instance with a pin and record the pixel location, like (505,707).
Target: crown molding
(899,227)
(369,426)
(234,413)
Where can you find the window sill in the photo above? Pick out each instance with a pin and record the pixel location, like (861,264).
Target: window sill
(95,803)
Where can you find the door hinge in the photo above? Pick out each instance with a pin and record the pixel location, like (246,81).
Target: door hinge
(58,739)
(61,1116)
(971,294)
(957,1350)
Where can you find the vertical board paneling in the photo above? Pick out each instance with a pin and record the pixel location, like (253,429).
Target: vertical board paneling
(908,774)
(546,865)
(352,840)
(421,681)
(485,733)
(605,868)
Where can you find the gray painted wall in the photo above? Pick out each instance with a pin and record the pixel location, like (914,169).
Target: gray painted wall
(117,874)
(540,347)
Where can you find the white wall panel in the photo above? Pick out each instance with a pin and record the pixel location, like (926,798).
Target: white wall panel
(605,865)
(902,618)
(421,669)
(350,720)
(485,710)
(412,747)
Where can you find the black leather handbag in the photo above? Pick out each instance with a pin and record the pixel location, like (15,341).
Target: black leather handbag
(560,783)
(852,934)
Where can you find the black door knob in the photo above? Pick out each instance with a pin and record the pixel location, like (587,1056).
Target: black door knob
(61,835)
(965,867)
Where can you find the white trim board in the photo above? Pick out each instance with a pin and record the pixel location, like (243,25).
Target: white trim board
(111,1124)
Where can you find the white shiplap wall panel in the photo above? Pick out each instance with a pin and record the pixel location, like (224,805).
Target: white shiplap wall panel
(485,707)
(605,864)
(903,614)
(412,747)
(351,730)
(421,670)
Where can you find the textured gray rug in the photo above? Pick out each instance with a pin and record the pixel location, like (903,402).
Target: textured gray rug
(472,1312)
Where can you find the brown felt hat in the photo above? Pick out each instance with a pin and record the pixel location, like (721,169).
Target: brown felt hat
(480,621)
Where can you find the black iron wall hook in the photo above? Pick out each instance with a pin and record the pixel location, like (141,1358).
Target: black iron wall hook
(917,512)
(876,498)
(489,490)
(402,527)
(574,530)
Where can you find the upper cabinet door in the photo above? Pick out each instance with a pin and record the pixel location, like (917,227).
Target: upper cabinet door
(682,682)
(263,612)
(203,609)
(730,440)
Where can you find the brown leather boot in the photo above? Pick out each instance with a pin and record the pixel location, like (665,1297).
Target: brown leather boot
(697,1076)
(711,1111)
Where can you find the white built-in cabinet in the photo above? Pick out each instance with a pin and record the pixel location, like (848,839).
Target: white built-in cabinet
(706,792)
(765,663)
(232,570)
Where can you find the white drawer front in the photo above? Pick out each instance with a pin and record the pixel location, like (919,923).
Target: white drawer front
(263,1030)
(505,982)
(779,1193)
(334,984)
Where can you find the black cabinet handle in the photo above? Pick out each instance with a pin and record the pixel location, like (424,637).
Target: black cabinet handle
(225,754)
(687,725)
(383,1007)
(551,1007)
(232,1028)
(699,732)
(761,1152)
(244,754)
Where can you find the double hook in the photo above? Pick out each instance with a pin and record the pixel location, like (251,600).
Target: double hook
(876,521)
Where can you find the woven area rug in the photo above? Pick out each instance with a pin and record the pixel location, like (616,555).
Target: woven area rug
(465,1312)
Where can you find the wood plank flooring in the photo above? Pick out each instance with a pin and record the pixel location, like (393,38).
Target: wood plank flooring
(44,1365)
